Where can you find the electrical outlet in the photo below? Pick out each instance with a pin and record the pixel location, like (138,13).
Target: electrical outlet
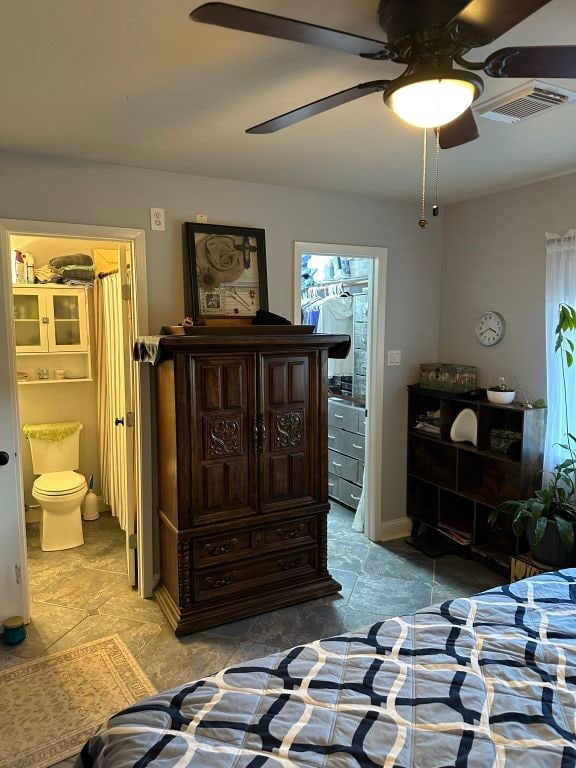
(201,218)
(157,219)
(394,357)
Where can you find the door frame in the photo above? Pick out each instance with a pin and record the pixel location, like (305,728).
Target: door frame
(142,409)
(377,368)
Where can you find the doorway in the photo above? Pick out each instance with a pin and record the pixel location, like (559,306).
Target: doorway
(58,344)
(341,289)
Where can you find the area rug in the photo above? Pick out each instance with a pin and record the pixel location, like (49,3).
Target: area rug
(51,705)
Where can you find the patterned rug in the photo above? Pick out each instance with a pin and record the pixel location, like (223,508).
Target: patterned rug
(51,705)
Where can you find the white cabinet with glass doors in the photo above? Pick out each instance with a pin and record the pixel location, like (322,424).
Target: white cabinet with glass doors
(52,321)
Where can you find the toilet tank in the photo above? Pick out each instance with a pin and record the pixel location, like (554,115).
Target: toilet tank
(55,456)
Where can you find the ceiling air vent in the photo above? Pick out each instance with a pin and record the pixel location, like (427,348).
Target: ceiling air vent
(524,102)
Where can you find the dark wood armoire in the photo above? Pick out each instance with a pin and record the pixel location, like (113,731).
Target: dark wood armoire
(242,473)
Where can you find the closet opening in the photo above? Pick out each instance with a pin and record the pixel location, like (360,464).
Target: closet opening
(337,289)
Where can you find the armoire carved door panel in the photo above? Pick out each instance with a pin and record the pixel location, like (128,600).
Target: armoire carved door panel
(289,417)
(224,464)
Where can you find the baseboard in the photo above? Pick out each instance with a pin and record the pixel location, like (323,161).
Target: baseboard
(400,528)
(33,514)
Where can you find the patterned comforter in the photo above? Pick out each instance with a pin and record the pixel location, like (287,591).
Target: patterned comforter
(480,682)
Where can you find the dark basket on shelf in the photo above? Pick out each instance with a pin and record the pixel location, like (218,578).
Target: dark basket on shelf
(448,377)
(506,441)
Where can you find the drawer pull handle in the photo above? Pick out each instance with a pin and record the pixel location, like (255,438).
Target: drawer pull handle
(331,437)
(290,533)
(216,582)
(356,498)
(335,463)
(221,549)
(337,416)
(331,485)
(360,447)
(287,565)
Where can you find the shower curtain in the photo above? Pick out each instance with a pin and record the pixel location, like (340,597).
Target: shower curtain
(111,394)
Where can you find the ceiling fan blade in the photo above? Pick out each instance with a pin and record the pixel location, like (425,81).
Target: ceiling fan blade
(533,61)
(459,131)
(246,20)
(482,21)
(317,107)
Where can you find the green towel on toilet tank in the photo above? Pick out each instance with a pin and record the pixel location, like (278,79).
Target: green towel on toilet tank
(52,433)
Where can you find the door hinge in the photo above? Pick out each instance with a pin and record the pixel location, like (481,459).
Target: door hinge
(127,292)
(18,571)
(130,419)
(132,541)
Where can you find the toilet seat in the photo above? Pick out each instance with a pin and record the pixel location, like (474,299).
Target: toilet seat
(59,483)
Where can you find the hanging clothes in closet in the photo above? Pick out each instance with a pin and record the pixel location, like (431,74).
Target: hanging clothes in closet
(336,315)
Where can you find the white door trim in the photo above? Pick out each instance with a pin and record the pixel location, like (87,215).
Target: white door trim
(374,384)
(142,400)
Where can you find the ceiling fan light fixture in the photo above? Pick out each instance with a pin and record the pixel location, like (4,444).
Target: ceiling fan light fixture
(433,101)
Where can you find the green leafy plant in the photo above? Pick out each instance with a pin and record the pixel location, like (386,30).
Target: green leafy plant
(557,501)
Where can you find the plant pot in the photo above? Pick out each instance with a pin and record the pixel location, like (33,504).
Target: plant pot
(550,550)
(500,397)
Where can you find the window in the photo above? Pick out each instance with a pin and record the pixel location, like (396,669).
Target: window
(560,289)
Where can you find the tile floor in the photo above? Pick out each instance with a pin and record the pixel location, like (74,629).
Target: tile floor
(82,595)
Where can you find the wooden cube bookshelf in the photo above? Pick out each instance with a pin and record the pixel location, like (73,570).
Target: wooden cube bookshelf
(452,487)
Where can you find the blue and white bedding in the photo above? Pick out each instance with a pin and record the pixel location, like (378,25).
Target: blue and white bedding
(473,683)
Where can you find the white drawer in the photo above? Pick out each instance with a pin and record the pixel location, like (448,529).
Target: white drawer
(333,485)
(342,416)
(342,466)
(349,494)
(334,438)
(352,444)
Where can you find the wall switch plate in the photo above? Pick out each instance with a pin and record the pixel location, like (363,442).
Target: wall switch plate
(157,219)
(201,218)
(394,357)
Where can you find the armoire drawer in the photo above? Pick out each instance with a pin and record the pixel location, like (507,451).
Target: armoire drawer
(301,531)
(242,544)
(342,466)
(225,546)
(352,444)
(254,574)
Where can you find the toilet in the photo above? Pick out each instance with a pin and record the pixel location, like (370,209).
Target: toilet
(59,489)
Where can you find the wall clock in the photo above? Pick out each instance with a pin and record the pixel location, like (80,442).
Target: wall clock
(490,328)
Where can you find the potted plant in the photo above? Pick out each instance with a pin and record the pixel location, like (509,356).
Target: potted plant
(500,393)
(548,518)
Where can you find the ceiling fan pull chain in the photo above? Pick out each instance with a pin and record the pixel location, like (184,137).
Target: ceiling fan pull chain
(435,208)
(423,223)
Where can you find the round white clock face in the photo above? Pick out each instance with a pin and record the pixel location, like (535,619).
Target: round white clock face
(490,328)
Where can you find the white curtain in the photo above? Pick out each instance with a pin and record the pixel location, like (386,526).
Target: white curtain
(111,395)
(560,289)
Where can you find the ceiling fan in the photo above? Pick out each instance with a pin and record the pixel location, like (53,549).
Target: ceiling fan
(428,37)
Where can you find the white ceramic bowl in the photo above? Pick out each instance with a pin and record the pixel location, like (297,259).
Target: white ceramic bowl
(501,398)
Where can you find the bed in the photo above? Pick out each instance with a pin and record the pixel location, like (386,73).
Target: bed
(479,682)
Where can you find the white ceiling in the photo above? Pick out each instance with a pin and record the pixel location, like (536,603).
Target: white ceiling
(135,82)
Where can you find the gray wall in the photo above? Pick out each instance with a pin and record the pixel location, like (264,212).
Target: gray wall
(59,190)
(495,258)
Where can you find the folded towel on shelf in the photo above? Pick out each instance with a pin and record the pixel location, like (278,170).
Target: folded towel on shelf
(46,274)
